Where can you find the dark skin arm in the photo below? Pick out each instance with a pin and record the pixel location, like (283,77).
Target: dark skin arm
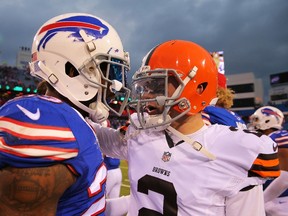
(33,191)
(283,155)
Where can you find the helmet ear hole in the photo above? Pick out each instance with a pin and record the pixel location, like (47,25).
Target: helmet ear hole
(70,70)
(201,87)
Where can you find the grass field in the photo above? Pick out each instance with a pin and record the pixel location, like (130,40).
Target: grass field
(125,187)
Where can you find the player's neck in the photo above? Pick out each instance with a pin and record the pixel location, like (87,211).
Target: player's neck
(189,124)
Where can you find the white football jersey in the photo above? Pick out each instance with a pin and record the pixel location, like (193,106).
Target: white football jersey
(171,178)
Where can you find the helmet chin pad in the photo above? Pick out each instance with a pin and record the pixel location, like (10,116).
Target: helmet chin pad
(101,112)
(147,121)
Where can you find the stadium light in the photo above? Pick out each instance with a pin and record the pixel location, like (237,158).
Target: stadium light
(18,88)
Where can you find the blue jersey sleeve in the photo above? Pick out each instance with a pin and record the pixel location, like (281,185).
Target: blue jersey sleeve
(219,115)
(37,131)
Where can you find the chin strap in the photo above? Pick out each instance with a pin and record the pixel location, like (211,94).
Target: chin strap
(196,145)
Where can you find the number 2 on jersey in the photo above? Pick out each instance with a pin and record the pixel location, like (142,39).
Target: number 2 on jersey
(163,187)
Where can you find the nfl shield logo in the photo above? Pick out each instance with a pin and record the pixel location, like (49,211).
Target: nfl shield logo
(166,156)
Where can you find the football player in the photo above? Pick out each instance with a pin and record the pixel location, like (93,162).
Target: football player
(269,120)
(221,114)
(177,164)
(50,161)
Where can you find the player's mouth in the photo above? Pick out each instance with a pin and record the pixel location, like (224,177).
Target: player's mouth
(152,110)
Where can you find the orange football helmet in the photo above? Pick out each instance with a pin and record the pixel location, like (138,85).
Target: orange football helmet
(191,65)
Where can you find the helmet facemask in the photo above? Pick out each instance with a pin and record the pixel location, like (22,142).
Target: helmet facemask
(113,80)
(153,101)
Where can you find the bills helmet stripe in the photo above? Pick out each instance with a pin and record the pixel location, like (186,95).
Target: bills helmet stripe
(92,26)
(69,24)
(269,112)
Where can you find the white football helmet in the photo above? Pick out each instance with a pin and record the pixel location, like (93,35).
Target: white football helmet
(266,117)
(82,57)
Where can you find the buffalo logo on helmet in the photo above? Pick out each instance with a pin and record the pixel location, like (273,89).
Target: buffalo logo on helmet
(268,112)
(92,26)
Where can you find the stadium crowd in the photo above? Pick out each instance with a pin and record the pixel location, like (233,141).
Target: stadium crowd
(11,77)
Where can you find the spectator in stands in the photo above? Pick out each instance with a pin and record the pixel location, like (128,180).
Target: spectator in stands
(13,76)
(4,98)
